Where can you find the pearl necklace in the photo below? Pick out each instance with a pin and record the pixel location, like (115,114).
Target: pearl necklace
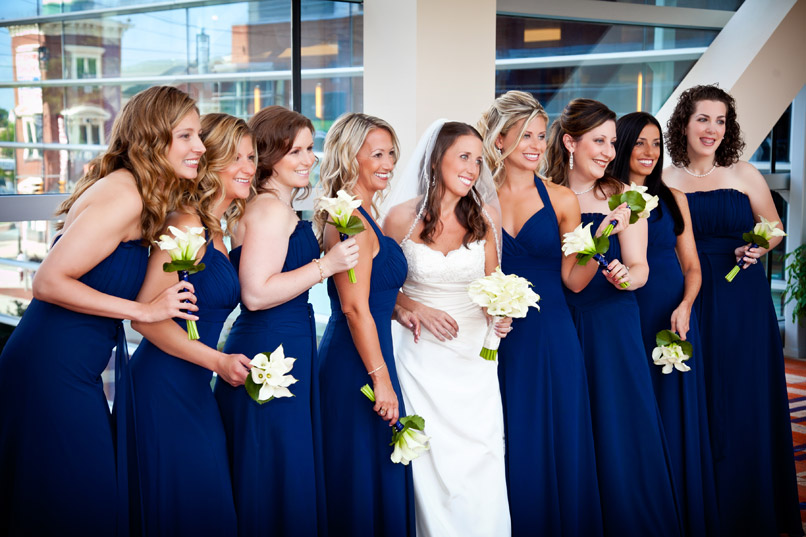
(584,191)
(699,174)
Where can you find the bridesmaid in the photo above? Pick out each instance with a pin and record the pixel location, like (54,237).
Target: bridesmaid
(550,450)
(367,494)
(277,258)
(748,409)
(665,303)
(633,467)
(57,460)
(180,444)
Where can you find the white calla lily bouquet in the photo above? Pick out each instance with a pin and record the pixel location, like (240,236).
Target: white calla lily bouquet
(340,209)
(641,204)
(504,295)
(268,378)
(183,246)
(587,247)
(762,232)
(408,439)
(671,352)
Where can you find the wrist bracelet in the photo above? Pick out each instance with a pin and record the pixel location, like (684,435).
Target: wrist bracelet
(377,368)
(321,272)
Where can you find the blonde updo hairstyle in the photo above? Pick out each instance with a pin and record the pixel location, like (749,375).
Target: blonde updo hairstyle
(139,142)
(506,111)
(222,135)
(339,170)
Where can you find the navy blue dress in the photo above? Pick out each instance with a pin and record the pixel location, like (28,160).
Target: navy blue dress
(632,459)
(57,455)
(551,463)
(680,395)
(748,410)
(367,494)
(271,446)
(185,485)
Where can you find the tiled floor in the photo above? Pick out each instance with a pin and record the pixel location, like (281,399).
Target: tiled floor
(796,386)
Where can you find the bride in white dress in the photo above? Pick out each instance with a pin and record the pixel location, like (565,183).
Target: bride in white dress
(449,232)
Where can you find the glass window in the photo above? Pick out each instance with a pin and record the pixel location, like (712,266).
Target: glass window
(627,67)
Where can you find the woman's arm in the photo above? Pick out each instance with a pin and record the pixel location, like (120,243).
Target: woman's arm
(690,264)
(169,336)
(110,214)
(354,298)
(633,242)
(268,224)
(761,203)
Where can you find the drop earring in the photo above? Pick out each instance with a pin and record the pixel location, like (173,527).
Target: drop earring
(571,161)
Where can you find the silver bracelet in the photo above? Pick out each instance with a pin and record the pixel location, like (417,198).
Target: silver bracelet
(377,368)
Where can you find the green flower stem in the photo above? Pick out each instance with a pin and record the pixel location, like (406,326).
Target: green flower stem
(732,274)
(488,354)
(366,390)
(350,273)
(608,230)
(193,331)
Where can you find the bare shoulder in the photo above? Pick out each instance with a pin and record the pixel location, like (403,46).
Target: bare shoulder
(559,193)
(679,197)
(399,219)
(671,175)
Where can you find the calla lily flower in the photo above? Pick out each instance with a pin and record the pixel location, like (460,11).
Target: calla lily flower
(270,374)
(671,357)
(651,201)
(579,241)
(504,295)
(768,229)
(184,245)
(340,208)
(409,445)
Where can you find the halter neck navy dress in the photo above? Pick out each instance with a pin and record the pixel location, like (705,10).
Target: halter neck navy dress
(745,385)
(181,451)
(57,455)
(680,395)
(632,457)
(551,462)
(276,472)
(367,494)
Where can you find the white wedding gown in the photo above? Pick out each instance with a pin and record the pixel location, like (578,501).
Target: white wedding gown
(459,485)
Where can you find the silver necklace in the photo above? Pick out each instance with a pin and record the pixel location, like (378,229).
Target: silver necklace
(584,191)
(699,174)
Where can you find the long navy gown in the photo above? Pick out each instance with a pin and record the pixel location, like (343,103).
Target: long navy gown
(271,446)
(57,455)
(744,373)
(367,494)
(632,459)
(181,450)
(551,463)
(681,396)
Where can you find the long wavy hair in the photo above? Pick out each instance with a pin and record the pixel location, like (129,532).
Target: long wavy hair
(339,170)
(221,134)
(468,210)
(732,145)
(628,129)
(579,117)
(139,142)
(506,111)
(275,129)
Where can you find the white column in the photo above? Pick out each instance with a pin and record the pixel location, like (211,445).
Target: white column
(428,59)
(758,58)
(795,334)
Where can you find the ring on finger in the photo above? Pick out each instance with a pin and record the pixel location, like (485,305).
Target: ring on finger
(382,412)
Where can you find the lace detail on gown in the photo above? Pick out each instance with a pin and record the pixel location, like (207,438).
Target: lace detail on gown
(429,266)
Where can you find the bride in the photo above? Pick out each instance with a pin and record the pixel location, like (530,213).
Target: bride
(449,232)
